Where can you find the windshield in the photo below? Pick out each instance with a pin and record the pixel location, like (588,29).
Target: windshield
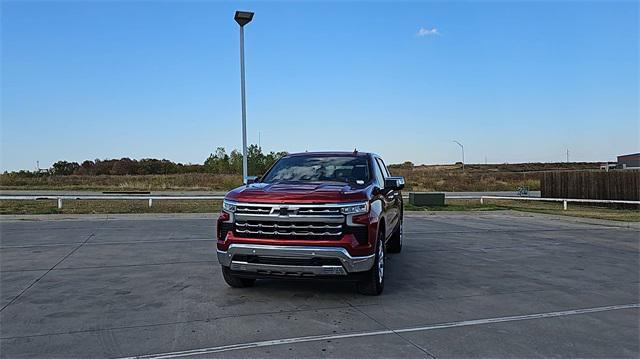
(347,169)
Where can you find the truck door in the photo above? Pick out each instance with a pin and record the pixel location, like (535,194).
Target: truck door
(393,201)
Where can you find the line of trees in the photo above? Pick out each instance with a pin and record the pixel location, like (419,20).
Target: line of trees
(218,162)
(257,162)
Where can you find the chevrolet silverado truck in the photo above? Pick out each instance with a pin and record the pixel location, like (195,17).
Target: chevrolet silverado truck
(329,215)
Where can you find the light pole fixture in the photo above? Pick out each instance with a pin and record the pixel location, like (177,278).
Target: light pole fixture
(243,18)
(462,147)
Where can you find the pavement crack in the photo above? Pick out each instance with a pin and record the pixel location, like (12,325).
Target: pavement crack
(47,272)
(423,350)
(151,325)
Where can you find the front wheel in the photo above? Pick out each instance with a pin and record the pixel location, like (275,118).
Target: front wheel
(235,281)
(373,282)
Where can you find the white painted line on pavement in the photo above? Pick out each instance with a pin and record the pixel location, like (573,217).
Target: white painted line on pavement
(314,338)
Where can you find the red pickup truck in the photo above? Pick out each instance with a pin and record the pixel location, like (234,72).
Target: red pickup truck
(313,215)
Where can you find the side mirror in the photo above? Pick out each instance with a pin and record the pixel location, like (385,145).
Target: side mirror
(394,183)
(252,179)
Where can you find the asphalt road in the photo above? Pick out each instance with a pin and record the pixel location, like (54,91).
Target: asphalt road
(466,285)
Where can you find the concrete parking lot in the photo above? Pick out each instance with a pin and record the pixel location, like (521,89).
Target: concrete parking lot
(498,284)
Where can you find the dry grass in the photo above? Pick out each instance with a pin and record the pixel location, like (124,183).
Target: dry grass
(185,181)
(614,214)
(455,205)
(108,206)
(500,177)
(491,177)
(573,210)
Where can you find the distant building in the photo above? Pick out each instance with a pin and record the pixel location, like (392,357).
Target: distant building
(629,161)
(609,166)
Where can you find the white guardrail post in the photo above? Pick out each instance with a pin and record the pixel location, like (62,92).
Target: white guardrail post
(59,203)
(564,205)
(150,202)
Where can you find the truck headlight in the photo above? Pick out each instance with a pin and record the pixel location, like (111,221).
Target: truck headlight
(228,206)
(356,208)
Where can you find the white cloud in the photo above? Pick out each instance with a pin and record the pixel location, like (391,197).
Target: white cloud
(427,32)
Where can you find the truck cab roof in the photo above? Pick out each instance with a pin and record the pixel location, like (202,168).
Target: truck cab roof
(332,153)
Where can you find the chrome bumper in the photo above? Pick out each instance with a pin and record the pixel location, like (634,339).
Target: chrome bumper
(349,264)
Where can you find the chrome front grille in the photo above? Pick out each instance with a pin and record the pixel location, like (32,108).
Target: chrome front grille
(253,209)
(290,221)
(288,213)
(310,211)
(291,230)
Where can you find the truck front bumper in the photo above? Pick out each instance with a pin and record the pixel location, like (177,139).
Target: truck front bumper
(275,260)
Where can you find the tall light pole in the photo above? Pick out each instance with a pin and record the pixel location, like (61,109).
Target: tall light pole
(243,18)
(462,147)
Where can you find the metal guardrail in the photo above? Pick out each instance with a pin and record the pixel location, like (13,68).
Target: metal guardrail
(151,198)
(565,201)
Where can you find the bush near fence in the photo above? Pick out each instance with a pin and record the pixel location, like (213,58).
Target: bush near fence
(612,185)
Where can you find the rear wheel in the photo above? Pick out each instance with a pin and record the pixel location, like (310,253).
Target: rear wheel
(394,245)
(373,281)
(235,281)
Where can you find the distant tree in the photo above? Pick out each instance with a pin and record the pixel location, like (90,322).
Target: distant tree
(235,162)
(87,168)
(124,166)
(190,168)
(218,162)
(255,161)
(103,167)
(149,166)
(64,168)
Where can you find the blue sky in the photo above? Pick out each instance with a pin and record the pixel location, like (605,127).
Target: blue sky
(512,81)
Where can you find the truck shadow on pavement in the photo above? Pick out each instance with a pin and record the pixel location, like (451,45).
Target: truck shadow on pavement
(306,288)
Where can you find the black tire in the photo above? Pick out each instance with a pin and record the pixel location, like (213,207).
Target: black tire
(235,281)
(394,244)
(373,281)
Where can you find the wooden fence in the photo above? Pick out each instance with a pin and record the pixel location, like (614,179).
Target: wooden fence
(612,185)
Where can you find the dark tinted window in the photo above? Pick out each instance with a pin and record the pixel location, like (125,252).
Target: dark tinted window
(383,168)
(346,169)
(379,174)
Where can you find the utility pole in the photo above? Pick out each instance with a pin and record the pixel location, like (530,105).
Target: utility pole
(462,147)
(243,18)
(567,155)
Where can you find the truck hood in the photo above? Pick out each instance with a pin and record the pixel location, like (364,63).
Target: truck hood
(297,192)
